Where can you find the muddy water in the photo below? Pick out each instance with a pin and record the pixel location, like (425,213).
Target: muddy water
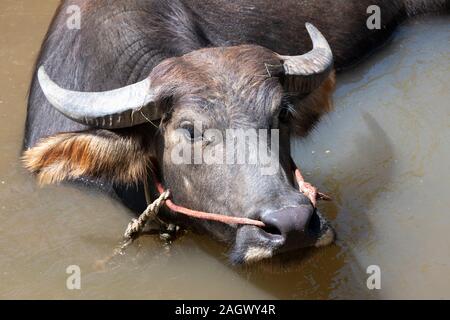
(383,154)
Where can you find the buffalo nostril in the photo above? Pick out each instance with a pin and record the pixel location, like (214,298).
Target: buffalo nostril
(272,229)
(314,224)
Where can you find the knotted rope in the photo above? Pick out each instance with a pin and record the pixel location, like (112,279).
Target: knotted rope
(136,227)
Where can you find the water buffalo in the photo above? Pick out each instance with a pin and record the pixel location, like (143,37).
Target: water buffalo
(137,71)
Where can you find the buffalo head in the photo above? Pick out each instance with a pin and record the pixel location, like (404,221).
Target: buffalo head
(206,103)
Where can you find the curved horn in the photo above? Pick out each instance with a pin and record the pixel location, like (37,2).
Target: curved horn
(313,67)
(119,108)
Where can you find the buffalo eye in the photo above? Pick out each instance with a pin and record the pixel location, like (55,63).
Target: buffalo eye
(191,132)
(284,115)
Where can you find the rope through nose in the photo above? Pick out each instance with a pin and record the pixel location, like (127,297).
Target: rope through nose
(311,192)
(206,215)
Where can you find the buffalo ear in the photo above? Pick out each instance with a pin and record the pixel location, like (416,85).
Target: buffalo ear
(312,107)
(117,157)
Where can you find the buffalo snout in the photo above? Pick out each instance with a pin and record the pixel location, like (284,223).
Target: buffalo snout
(287,229)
